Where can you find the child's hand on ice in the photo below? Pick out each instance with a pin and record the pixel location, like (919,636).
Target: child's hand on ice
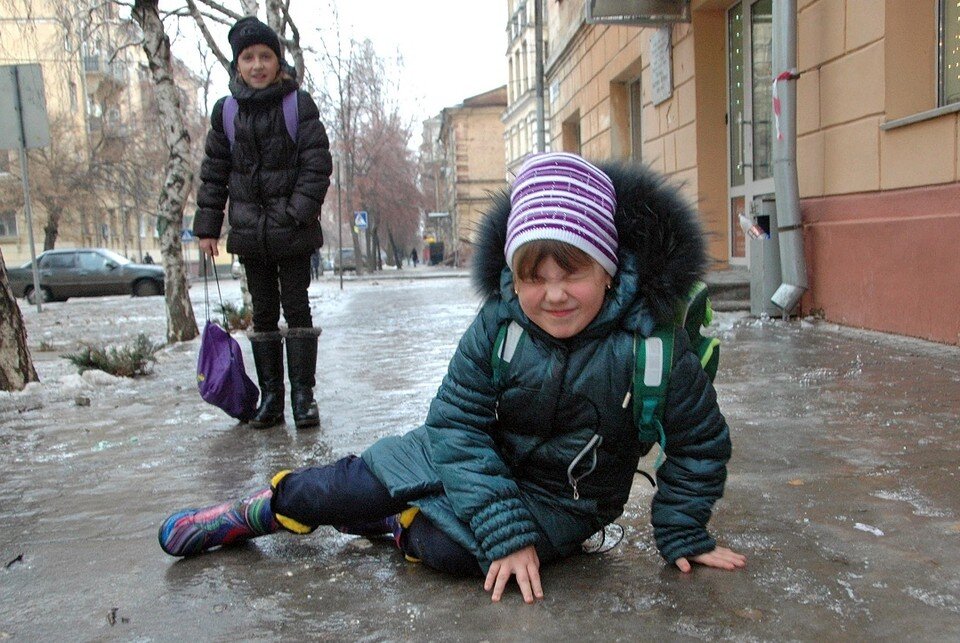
(525,565)
(721,558)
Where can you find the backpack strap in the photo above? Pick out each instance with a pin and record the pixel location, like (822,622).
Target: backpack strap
(504,347)
(230,109)
(651,378)
(291,116)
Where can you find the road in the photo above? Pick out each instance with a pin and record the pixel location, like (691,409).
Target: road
(843,491)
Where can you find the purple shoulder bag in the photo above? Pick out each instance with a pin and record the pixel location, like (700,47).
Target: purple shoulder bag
(221,377)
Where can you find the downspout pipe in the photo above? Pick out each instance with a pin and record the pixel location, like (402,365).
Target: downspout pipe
(793,268)
(538,84)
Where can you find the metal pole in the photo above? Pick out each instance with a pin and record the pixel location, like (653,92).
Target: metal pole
(25,178)
(339,259)
(538,38)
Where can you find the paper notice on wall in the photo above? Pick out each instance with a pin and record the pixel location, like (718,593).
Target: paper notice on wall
(661,67)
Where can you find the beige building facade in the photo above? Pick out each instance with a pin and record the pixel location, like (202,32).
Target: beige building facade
(878,138)
(101,173)
(471,141)
(520,118)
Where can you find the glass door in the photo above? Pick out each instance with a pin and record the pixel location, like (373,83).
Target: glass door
(749,114)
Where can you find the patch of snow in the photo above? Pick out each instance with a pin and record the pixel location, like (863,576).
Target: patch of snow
(868,528)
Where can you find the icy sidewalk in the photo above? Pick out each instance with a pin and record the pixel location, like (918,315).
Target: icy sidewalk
(843,491)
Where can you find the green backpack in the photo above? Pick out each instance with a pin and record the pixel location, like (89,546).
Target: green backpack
(652,364)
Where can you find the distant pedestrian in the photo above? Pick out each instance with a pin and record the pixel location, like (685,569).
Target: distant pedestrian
(274,167)
(315,264)
(413,257)
(147,258)
(512,472)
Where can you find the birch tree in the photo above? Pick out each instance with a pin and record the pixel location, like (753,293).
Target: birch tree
(16,365)
(178,182)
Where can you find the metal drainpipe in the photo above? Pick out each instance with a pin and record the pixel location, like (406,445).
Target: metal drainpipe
(789,225)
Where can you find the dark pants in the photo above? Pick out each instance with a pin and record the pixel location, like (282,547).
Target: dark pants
(347,493)
(273,284)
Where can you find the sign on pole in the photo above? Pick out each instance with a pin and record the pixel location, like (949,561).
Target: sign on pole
(23,125)
(26,83)
(360,219)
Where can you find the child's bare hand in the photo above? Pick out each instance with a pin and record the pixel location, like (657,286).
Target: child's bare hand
(209,247)
(721,558)
(525,565)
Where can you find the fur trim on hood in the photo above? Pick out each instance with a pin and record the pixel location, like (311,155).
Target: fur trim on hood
(662,252)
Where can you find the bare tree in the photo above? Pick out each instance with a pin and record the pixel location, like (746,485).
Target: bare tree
(178,182)
(278,17)
(378,174)
(60,179)
(16,365)
(388,186)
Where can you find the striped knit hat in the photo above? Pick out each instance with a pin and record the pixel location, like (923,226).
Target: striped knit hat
(561,196)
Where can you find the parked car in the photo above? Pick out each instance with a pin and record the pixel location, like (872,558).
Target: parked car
(346,260)
(85,272)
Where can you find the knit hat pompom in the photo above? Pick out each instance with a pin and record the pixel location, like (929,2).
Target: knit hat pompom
(250,31)
(561,196)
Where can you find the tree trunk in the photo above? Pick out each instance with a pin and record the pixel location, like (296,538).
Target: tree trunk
(52,228)
(16,365)
(181,323)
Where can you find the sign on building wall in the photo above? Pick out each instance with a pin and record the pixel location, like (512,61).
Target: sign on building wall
(661,67)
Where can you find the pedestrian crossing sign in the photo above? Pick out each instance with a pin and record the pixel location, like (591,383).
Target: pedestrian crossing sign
(360,219)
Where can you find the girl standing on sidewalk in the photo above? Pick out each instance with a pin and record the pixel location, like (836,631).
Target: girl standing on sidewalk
(275,175)
(507,475)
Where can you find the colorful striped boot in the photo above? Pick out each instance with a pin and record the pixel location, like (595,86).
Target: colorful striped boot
(193,531)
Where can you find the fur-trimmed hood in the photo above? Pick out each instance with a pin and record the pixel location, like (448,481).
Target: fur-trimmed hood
(661,250)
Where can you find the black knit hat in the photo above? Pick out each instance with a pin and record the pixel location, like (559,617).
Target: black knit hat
(250,31)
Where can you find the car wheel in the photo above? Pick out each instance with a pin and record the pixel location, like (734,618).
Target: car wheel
(45,295)
(146,288)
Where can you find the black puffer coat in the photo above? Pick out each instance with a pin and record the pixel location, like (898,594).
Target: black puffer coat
(275,185)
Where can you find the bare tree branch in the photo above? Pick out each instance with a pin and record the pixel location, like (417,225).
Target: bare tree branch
(207,36)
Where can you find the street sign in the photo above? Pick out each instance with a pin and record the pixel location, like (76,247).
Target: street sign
(360,219)
(21,97)
(186,235)
(437,215)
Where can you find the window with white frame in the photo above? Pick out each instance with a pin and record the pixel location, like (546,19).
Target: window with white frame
(949,51)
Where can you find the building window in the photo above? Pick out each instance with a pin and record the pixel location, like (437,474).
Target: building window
(8,223)
(636,118)
(949,51)
(570,134)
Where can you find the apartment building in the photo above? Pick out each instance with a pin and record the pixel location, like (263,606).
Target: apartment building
(471,142)
(96,184)
(878,135)
(520,118)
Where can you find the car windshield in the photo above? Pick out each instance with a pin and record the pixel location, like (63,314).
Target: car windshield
(114,257)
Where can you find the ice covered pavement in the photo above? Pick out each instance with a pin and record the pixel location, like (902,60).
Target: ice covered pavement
(843,491)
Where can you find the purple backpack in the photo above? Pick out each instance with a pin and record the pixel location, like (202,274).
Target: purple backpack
(291,116)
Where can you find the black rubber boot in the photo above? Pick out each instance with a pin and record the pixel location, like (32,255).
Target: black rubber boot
(268,358)
(302,369)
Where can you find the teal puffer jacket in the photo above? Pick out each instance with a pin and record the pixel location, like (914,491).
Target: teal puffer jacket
(548,457)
